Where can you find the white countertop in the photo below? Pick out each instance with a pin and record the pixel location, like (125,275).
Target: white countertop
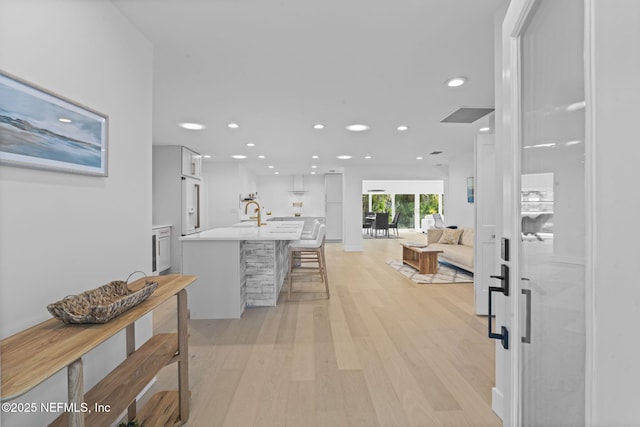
(155,226)
(285,230)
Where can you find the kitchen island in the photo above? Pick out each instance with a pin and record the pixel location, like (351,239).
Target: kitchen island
(237,267)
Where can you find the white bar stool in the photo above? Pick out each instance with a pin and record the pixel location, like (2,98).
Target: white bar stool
(313,234)
(308,251)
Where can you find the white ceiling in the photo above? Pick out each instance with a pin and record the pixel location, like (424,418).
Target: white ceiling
(276,67)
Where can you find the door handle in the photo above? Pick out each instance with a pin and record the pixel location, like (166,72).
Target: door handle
(197,188)
(504,278)
(503,336)
(527,326)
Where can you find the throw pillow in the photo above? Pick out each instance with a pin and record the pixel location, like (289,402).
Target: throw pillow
(450,236)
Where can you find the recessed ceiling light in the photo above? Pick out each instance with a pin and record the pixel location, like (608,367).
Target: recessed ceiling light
(318,126)
(250,144)
(313,173)
(191,126)
(239,156)
(233,125)
(367,157)
(456,81)
(261,156)
(314,167)
(485,129)
(343,157)
(419,158)
(357,127)
(314,157)
(64,120)
(402,128)
(271,166)
(207,156)
(276,173)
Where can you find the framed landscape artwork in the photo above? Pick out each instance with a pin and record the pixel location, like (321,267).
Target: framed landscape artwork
(39,129)
(470,190)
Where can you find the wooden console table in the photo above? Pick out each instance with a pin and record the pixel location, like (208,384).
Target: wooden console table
(423,259)
(33,355)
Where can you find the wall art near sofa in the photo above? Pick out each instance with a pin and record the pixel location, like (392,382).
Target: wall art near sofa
(40,129)
(470,190)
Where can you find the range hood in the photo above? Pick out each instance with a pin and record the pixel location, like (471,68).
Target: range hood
(298,185)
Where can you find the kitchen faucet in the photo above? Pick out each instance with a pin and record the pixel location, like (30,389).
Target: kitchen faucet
(257,210)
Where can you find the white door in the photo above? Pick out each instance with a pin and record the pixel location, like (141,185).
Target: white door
(485,208)
(546,124)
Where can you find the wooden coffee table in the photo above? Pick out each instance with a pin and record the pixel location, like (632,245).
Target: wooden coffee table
(423,259)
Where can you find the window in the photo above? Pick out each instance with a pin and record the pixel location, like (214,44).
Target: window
(412,207)
(381,203)
(429,204)
(405,204)
(365,204)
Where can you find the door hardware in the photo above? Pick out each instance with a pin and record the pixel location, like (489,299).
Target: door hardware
(504,278)
(503,336)
(527,326)
(504,249)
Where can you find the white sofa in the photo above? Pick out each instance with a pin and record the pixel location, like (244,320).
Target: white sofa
(460,253)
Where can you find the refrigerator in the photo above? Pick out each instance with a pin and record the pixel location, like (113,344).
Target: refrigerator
(191,205)
(178,196)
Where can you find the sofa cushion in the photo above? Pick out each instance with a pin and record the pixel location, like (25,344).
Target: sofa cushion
(434,234)
(467,237)
(450,236)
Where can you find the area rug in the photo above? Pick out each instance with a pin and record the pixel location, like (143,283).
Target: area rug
(445,274)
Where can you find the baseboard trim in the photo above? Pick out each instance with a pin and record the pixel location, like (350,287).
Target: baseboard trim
(497,402)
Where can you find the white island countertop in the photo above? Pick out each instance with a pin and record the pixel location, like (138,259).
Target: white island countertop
(276,230)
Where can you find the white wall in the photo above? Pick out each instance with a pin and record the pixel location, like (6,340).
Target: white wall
(616,299)
(404,187)
(223,185)
(248,181)
(224,182)
(457,210)
(63,233)
(276,196)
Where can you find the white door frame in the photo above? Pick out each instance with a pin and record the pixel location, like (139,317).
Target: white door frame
(508,362)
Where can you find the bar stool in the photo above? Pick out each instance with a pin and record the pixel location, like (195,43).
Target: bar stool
(308,251)
(313,234)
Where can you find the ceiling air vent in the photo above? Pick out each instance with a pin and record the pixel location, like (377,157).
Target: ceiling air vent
(467,114)
(435,153)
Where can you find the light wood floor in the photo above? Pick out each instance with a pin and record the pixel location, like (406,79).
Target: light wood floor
(382,351)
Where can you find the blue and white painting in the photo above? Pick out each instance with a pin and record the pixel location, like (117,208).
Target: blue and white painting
(39,129)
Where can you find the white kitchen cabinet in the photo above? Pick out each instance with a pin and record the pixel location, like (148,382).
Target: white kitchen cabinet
(178,199)
(333,206)
(191,163)
(333,187)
